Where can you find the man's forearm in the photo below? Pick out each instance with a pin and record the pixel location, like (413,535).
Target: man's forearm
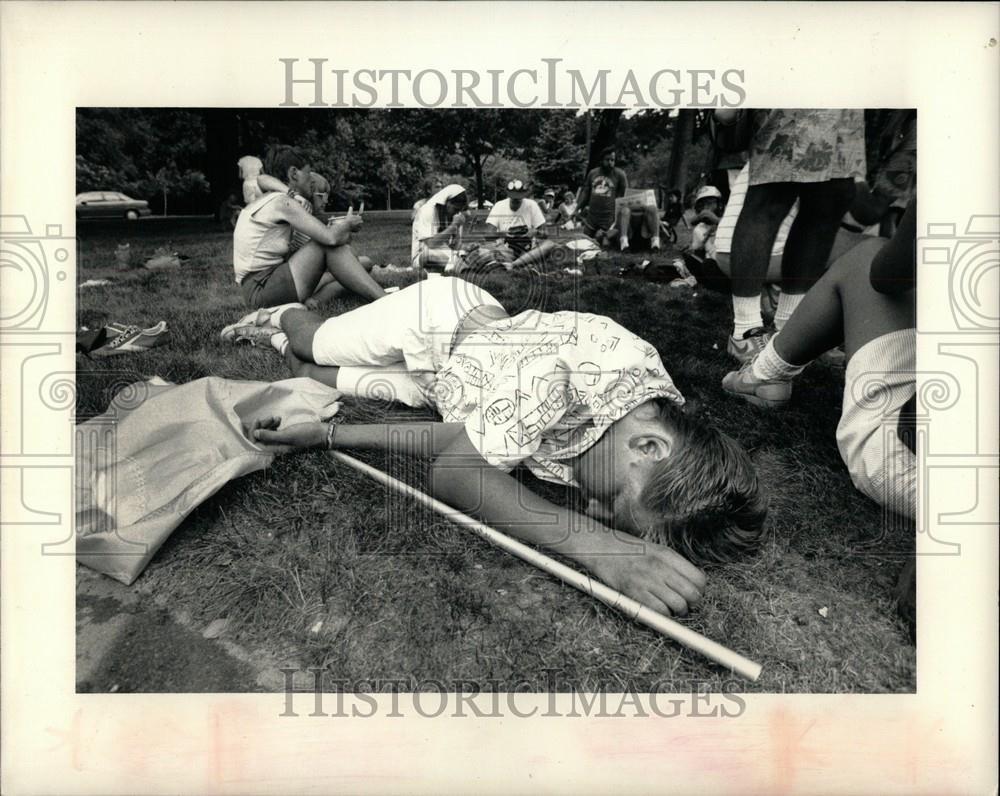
(411,439)
(466,482)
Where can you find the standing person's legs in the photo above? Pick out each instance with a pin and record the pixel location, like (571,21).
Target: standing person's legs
(810,240)
(764,208)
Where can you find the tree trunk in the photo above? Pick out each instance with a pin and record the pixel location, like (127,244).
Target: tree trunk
(222,138)
(388,197)
(164,201)
(607,131)
(681,147)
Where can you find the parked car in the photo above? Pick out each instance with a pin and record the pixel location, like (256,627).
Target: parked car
(474,204)
(110,204)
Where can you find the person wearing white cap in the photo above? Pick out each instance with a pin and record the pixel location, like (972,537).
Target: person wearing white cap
(707,203)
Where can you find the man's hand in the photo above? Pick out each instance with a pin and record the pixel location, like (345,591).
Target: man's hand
(658,577)
(267,432)
(458,220)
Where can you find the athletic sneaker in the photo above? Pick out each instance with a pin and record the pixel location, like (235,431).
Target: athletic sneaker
(753,342)
(261,318)
(129,339)
(257,336)
(765,394)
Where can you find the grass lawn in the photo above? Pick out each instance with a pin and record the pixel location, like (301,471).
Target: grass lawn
(404,595)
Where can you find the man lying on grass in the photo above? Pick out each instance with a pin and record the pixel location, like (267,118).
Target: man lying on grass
(575,397)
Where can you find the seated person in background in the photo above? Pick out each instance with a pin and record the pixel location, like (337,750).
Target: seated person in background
(603,219)
(567,210)
(266,269)
(327,288)
(437,229)
(518,225)
(708,209)
(673,211)
(250,168)
(547,204)
(577,398)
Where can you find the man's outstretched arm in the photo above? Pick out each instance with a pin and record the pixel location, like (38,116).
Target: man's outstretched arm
(652,574)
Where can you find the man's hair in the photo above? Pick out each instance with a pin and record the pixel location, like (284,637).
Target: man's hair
(706,493)
(608,150)
(280,158)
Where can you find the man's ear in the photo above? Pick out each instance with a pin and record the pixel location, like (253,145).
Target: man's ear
(654,447)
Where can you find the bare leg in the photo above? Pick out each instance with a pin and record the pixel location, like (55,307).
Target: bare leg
(651,224)
(842,307)
(327,291)
(299,367)
(301,326)
(345,267)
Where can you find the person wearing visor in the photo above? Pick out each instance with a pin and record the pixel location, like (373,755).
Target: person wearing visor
(514,232)
(517,219)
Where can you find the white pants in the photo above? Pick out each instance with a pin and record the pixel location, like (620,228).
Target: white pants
(392,348)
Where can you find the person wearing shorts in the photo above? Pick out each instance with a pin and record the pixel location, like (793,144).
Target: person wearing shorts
(575,398)
(865,301)
(267,270)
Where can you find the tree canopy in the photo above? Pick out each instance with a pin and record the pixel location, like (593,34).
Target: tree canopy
(185,159)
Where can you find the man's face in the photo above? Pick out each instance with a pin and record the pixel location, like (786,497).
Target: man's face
(609,160)
(515,201)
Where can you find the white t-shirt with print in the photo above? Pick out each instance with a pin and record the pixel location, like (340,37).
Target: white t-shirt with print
(541,388)
(528,214)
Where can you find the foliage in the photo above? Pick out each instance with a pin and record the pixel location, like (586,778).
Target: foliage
(148,153)
(386,157)
(558,160)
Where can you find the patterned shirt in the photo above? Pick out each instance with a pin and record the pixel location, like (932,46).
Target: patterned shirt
(541,388)
(807,145)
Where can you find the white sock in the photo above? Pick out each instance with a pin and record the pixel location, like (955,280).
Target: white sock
(769,366)
(280,342)
(746,315)
(624,242)
(786,306)
(655,242)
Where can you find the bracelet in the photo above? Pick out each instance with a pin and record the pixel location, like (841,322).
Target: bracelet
(331,434)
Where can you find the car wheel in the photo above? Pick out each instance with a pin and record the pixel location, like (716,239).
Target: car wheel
(131,215)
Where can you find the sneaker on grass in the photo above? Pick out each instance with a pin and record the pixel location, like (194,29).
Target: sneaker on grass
(752,343)
(129,339)
(249,334)
(759,392)
(261,318)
